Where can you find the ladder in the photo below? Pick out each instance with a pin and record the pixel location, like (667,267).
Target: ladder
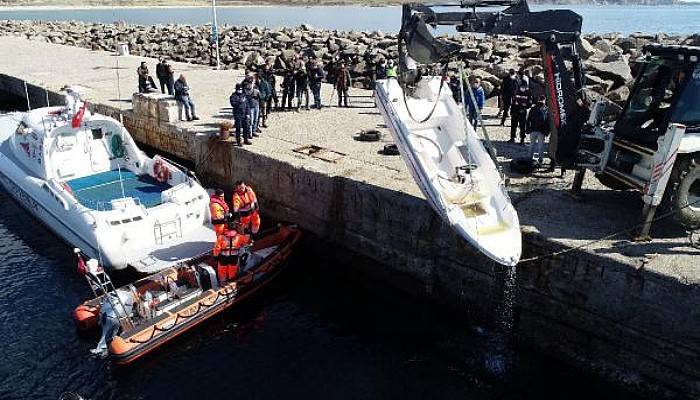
(102,286)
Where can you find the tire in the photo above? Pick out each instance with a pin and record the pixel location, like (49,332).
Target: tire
(683,191)
(610,182)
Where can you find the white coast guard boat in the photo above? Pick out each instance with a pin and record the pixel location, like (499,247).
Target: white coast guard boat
(451,166)
(82,175)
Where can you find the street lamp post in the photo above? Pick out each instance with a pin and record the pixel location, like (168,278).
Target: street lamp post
(215,34)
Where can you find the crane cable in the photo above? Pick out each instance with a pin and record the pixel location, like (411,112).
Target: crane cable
(627,230)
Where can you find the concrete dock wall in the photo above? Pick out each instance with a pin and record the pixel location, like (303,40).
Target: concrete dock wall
(628,321)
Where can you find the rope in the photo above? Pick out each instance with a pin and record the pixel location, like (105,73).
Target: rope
(610,236)
(437,100)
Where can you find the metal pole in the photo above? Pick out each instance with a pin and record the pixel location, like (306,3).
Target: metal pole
(47,98)
(215,38)
(26,94)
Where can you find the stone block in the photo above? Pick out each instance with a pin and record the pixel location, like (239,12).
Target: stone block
(137,101)
(167,111)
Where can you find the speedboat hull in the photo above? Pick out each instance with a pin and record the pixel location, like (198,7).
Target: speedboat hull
(451,166)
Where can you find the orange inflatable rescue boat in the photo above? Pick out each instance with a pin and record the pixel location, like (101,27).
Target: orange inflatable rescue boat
(166,304)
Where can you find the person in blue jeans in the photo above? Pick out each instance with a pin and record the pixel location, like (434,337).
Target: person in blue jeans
(316,76)
(184,100)
(250,88)
(476,104)
(119,305)
(538,128)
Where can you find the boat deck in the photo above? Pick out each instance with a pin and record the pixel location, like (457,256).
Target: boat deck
(96,191)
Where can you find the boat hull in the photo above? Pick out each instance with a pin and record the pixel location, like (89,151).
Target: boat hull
(451,166)
(120,231)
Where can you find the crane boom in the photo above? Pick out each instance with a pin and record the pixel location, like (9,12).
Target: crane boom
(557,32)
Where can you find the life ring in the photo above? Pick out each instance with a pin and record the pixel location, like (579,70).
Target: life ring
(161,171)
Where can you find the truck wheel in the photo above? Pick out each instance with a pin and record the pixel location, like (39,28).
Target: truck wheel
(610,182)
(684,191)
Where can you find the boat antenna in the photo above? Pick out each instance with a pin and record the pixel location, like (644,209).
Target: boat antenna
(121,181)
(26,95)
(116,66)
(46,91)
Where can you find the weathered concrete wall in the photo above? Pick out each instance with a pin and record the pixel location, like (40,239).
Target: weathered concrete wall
(629,322)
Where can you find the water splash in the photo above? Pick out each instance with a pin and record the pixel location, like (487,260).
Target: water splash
(500,356)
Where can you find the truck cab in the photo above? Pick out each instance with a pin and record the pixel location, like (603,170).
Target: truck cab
(655,141)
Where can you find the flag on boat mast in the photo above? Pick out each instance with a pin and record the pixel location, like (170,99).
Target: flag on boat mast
(215,33)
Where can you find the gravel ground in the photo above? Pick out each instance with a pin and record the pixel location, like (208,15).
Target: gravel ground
(541,199)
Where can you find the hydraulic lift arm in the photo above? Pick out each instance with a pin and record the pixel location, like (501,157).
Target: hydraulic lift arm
(557,32)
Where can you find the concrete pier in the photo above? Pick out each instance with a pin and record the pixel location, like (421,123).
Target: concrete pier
(627,310)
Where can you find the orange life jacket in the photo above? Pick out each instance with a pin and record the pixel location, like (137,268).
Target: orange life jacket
(229,243)
(246,203)
(218,209)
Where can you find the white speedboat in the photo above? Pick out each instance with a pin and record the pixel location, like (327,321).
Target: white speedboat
(82,175)
(451,166)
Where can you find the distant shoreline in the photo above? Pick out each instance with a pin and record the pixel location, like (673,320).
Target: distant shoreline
(131,4)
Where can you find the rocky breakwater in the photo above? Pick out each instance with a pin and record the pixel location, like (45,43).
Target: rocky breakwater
(608,58)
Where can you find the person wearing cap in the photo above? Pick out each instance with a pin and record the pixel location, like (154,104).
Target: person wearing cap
(240,108)
(522,100)
(538,127)
(342,84)
(218,209)
(228,250)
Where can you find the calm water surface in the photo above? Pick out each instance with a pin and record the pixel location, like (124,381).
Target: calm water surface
(625,19)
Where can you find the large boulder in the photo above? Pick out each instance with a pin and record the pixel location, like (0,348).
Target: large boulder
(618,71)
(585,49)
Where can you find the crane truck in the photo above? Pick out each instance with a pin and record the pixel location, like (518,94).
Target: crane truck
(651,145)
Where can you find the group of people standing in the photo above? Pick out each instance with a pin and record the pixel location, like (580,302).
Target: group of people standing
(304,74)
(528,114)
(251,103)
(235,227)
(177,88)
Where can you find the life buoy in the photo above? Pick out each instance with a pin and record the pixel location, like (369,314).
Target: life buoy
(161,171)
